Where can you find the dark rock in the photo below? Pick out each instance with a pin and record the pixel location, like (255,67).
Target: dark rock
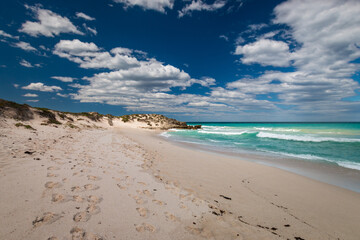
(28,152)
(227,198)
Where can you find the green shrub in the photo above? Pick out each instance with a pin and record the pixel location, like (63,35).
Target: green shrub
(25,126)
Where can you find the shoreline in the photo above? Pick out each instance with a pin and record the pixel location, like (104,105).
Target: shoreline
(325,172)
(261,195)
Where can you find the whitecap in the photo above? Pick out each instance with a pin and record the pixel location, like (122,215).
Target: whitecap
(304,138)
(222,133)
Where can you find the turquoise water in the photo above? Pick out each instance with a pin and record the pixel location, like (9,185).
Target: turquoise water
(334,143)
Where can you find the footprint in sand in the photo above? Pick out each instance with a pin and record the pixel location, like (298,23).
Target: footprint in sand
(94,199)
(117,179)
(138,199)
(93,209)
(81,217)
(46,218)
(171,217)
(182,205)
(76,189)
(145,192)
(91,187)
(158,202)
(53,168)
(142,183)
(195,231)
(77,233)
(59,198)
(93,178)
(52,175)
(52,238)
(92,236)
(51,185)
(121,186)
(143,212)
(77,198)
(145,227)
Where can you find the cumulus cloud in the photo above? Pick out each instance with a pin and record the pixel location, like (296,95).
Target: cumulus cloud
(88,55)
(41,87)
(84,16)
(265,52)
(327,37)
(25,46)
(30,95)
(64,79)
(151,76)
(199,5)
(48,23)
(134,81)
(157,5)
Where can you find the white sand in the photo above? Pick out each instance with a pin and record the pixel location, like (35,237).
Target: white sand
(121,183)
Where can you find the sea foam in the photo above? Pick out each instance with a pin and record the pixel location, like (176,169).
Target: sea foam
(222,133)
(303,138)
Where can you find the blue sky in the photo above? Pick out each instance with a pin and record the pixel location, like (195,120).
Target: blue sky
(194,60)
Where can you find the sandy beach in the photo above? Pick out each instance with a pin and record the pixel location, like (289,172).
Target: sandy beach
(98,181)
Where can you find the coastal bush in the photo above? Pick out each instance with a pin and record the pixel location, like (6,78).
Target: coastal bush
(25,126)
(22,111)
(46,113)
(125,118)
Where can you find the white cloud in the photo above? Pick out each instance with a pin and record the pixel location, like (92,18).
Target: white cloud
(84,16)
(62,95)
(25,46)
(150,76)
(224,37)
(157,5)
(6,35)
(30,95)
(326,35)
(25,63)
(89,29)
(265,52)
(64,79)
(48,23)
(329,33)
(135,83)
(76,47)
(256,27)
(32,100)
(88,55)
(41,87)
(199,5)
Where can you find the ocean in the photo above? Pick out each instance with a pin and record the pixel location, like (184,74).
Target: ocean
(328,143)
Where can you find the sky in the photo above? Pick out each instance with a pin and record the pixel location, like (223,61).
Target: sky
(193,60)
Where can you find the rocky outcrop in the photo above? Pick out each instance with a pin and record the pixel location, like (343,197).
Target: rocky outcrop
(158,121)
